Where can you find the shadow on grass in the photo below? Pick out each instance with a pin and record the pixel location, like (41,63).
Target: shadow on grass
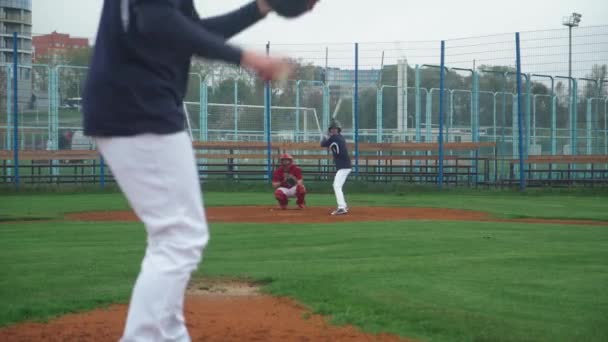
(10,219)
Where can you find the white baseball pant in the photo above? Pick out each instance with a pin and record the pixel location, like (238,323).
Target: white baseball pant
(289,192)
(158,175)
(339,181)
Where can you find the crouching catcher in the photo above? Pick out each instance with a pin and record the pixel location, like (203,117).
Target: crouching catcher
(289,183)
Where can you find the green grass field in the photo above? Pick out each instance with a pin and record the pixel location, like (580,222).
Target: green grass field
(433,281)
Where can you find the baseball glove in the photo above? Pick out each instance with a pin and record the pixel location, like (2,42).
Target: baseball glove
(291,181)
(291,8)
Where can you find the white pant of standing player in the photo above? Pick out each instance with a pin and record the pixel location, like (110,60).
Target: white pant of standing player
(339,181)
(158,175)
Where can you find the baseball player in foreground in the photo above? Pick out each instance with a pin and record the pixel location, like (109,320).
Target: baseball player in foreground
(337,145)
(133,108)
(289,183)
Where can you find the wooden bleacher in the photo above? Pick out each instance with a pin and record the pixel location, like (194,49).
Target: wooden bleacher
(377,161)
(563,169)
(388,150)
(565,159)
(312,151)
(46,156)
(248,160)
(405,162)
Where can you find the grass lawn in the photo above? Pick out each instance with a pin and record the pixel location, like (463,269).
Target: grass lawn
(439,281)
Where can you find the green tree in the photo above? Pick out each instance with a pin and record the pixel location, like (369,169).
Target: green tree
(79,57)
(599,73)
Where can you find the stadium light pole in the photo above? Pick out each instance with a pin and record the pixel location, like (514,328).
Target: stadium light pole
(572,21)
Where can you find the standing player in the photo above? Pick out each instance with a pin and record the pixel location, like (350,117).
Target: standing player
(289,183)
(133,108)
(337,144)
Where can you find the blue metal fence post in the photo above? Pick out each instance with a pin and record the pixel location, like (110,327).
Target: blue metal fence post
(441,112)
(267,117)
(520,119)
(15,110)
(356,123)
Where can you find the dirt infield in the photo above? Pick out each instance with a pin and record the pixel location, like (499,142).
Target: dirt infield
(255,214)
(222,312)
(264,214)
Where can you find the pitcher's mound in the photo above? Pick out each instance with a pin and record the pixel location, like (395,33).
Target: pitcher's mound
(215,311)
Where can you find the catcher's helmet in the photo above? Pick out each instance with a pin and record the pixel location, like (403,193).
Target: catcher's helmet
(335,124)
(286,156)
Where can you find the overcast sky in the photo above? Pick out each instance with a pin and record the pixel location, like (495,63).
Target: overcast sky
(389,21)
(358,20)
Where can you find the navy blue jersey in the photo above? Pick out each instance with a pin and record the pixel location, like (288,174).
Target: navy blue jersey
(139,71)
(337,146)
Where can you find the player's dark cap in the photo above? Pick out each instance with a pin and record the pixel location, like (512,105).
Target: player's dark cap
(335,124)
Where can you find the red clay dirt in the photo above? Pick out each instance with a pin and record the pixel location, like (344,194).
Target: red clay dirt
(263,214)
(222,312)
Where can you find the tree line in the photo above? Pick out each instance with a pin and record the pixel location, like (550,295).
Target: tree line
(221,89)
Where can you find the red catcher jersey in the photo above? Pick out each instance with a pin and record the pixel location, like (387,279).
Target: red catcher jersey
(280,175)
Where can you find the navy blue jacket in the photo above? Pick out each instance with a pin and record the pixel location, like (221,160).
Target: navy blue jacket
(139,71)
(337,145)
